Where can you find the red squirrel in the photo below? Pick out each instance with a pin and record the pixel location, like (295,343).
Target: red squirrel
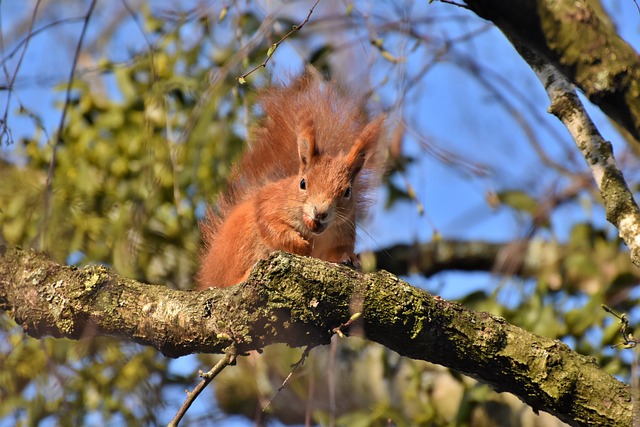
(307,175)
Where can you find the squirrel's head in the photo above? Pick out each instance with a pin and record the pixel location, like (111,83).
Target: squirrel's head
(327,179)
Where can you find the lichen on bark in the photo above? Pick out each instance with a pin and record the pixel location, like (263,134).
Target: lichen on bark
(300,301)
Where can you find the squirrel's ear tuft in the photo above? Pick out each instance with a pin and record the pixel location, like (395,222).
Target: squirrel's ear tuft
(365,143)
(307,147)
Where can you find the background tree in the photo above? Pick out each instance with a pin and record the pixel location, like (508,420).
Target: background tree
(156,116)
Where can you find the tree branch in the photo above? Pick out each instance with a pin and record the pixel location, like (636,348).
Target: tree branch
(622,210)
(207,377)
(548,262)
(573,37)
(299,301)
(549,55)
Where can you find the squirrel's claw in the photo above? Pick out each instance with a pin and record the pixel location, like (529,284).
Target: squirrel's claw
(351,260)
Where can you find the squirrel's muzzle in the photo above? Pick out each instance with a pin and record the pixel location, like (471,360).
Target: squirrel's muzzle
(314,225)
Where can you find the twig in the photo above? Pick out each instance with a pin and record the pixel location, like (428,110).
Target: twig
(5,127)
(33,33)
(453,3)
(274,46)
(65,108)
(338,329)
(150,45)
(228,359)
(218,76)
(331,382)
(629,342)
(627,335)
(295,366)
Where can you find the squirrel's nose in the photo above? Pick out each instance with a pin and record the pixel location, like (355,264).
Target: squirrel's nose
(320,215)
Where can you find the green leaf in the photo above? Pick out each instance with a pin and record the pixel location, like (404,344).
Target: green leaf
(271,49)
(518,200)
(223,14)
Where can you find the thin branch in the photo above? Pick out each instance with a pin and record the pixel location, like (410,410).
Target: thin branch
(218,76)
(453,3)
(37,31)
(149,43)
(622,210)
(58,138)
(331,382)
(629,342)
(274,46)
(228,359)
(294,367)
(5,128)
(486,78)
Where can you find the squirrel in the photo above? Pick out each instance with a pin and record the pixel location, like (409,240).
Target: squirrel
(306,177)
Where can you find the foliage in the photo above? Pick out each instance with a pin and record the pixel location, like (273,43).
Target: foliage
(135,169)
(148,143)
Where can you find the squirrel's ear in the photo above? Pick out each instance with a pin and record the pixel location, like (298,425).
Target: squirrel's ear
(364,143)
(307,148)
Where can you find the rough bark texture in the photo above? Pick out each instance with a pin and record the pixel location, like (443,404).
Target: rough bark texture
(574,37)
(299,301)
(622,210)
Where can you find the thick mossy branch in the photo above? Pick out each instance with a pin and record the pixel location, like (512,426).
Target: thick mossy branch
(48,299)
(299,301)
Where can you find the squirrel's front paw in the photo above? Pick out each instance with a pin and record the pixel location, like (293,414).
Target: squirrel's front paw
(351,260)
(297,244)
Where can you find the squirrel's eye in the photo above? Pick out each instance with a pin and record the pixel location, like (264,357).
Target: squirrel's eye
(347,193)
(303,184)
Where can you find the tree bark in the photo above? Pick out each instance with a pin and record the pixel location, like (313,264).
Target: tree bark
(522,258)
(301,301)
(566,42)
(574,38)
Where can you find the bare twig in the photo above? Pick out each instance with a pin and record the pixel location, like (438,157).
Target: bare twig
(338,329)
(33,33)
(629,342)
(149,43)
(58,137)
(218,76)
(274,46)
(228,359)
(294,367)
(331,382)
(627,334)
(453,3)
(488,79)
(3,124)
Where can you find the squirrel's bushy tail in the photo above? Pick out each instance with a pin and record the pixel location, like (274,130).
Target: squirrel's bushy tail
(337,118)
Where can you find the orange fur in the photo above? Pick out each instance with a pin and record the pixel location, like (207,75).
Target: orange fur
(300,186)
